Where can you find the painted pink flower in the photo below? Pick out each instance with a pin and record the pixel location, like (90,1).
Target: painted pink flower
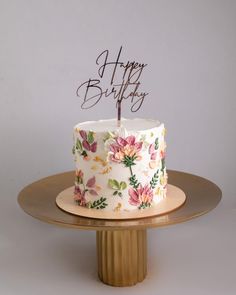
(89,147)
(142,196)
(88,142)
(79,196)
(91,186)
(93,147)
(79,176)
(125,147)
(152,151)
(79,173)
(91,182)
(162,154)
(83,134)
(86,145)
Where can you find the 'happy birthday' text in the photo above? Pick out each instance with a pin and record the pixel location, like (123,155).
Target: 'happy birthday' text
(127,87)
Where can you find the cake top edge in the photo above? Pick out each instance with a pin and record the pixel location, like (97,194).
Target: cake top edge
(109,125)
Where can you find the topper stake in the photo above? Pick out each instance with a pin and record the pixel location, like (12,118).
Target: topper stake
(119,113)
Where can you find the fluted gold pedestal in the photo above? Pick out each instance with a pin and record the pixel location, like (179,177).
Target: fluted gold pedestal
(121,244)
(122,256)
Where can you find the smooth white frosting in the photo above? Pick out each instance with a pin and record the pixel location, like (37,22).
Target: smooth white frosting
(130,125)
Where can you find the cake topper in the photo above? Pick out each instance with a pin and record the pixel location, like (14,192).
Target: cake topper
(123,79)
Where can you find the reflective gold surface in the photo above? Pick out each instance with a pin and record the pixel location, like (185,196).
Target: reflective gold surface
(121,244)
(38,200)
(122,256)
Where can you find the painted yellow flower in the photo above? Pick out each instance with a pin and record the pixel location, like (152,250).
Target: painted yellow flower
(164,132)
(153,164)
(118,207)
(100,161)
(158,191)
(106,170)
(163,179)
(94,167)
(98,187)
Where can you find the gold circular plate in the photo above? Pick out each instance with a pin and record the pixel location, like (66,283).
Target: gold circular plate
(174,199)
(38,200)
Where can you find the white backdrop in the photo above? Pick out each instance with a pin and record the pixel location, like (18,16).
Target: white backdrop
(47,48)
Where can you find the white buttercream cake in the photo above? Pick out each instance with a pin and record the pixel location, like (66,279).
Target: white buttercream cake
(119,168)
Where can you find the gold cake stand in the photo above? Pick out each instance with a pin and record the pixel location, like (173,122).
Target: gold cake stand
(121,244)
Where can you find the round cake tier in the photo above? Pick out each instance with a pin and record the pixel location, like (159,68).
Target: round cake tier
(119,168)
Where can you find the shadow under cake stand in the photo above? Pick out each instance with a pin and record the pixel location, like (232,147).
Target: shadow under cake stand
(121,244)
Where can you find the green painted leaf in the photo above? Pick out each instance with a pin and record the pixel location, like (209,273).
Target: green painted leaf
(129,161)
(162,164)
(154,180)
(156,143)
(90,137)
(78,145)
(108,136)
(134,182)
(114,184)
(144,205)
(110,183)
(99,204)
(88,205)
(123,185)
(84,154)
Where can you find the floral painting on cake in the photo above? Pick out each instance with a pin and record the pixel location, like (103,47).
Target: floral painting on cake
(117,186)
(86,143)
(141,196)
(127,151)
(83,188)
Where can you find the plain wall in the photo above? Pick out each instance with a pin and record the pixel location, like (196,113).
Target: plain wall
(47,48)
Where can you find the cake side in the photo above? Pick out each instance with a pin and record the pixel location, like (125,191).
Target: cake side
(120,169)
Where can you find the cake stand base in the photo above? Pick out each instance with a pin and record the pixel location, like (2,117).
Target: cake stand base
(121,244)
(122,256)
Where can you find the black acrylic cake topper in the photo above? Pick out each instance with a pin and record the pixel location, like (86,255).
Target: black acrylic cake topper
(124,83)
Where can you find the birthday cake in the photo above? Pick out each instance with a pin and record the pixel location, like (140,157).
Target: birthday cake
(119,168)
